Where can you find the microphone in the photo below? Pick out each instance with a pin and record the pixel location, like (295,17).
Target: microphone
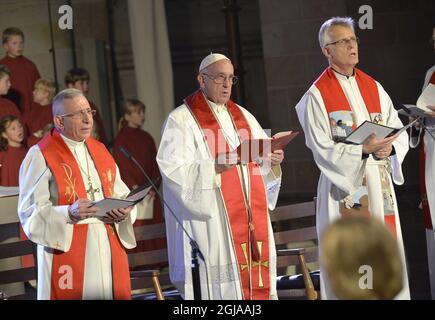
(196,252)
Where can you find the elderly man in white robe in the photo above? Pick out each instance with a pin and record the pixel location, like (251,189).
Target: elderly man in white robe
(223,204)
(355,179)
(80,255)
(424,138)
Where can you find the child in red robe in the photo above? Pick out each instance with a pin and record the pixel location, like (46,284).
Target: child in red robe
(7,107)
(142,147)
(12,150)
(79,78)
(24,72)
(41,118)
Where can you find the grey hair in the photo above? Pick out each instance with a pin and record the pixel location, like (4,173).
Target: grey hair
(336,21)
(58,100)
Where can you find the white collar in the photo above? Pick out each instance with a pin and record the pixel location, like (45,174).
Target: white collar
(72,144)
(217,107)
(341,76)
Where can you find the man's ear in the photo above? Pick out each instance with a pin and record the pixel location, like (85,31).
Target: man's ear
(58,122)
(200,78)
(326,53)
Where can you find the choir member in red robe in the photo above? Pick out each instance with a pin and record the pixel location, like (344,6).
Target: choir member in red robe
(12,153)
(7,107)
(79,78)
(40,121)
(142,147)
(24,72)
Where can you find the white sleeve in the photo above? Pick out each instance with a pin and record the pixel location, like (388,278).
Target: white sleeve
(43,221)
(401,144)
(125,228)
(187,169)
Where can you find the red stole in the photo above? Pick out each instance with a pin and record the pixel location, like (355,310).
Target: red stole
(71,264)
(253,269)
(427,219)
(335,100)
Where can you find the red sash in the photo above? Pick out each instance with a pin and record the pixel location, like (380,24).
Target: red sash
(335,100)
(427,219)
(253,270)
(68,267)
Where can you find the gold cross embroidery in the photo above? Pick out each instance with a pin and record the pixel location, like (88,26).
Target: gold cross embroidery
(260,264)
(245,253)
(57,245)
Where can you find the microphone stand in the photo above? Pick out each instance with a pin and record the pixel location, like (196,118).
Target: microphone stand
(195,251)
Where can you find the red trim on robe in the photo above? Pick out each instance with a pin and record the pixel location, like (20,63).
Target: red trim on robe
(232,191)
(335,100)
(71,187)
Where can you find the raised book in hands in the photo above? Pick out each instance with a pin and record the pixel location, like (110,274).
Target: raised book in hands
(108,204)
(252,149)
(360,134)
(427,98)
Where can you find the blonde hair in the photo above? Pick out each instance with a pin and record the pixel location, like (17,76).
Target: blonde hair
(354,242)
(130,106)
(46,85)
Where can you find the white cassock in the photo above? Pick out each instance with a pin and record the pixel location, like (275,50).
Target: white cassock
(340,163)
(48,224)
(429,148)
(191,189)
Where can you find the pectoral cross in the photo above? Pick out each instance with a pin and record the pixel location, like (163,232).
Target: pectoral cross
(91,191)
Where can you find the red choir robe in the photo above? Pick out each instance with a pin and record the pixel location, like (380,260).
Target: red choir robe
(8,108)
(40,116)
(100,124)
(10,162)
(24,73)
(142,147)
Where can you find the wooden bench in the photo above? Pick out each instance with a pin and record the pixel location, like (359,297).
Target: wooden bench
(150,269)
(297,250)
(14,279)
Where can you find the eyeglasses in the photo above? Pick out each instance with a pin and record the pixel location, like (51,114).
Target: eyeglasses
(345,42)
(80,114)
(220,78)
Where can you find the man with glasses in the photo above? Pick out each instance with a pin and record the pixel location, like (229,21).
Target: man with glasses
(355,179)
(426,143)
(223,204)
(80,255)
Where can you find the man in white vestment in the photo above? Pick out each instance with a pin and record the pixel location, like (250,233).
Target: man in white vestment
(355,179)
(80,255)
(426,142)
(222,204)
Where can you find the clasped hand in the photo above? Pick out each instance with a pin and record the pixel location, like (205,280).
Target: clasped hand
(380,148)
(83,208)
(225,161)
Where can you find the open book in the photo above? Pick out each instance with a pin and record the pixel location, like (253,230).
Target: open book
(360,134)
(135,196)
(251,149)
(427,98)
